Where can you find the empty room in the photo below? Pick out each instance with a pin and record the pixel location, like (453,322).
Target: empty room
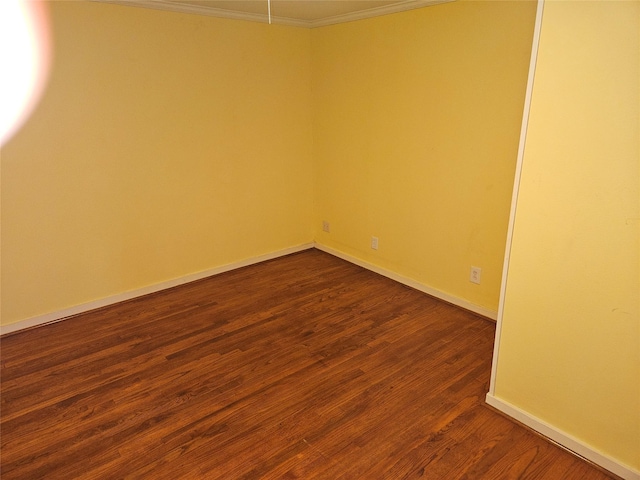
(322,239)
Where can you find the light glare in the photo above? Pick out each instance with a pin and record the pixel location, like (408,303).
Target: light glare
(24,59)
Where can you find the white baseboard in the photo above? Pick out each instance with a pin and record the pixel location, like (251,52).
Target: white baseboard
(121,297)
(485,312)
(564,439)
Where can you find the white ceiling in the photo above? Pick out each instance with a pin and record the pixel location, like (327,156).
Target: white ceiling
(301,13)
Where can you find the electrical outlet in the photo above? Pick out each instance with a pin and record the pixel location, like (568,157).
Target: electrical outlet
(325,226)
(374,243)
(476,272)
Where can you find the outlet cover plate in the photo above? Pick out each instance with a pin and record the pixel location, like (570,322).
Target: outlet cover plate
(476,273)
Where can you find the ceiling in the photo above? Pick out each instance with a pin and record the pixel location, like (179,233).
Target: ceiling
(300,13)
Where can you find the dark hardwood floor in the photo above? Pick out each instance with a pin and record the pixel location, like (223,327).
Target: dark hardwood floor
(301,367)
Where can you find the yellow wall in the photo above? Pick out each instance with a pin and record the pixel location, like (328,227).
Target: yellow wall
(416,127)
(168,144)
(165,144)
(569,352)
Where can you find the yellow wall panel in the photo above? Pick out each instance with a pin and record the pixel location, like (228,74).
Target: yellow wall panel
(416,127)
(165,144)
(569,349)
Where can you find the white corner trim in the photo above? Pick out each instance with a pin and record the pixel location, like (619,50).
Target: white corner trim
(568,441)
(516,189)
(485,312)
(121,297)
(376,12)
(198,9)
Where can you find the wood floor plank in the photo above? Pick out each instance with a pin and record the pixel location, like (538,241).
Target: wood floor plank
(303,367)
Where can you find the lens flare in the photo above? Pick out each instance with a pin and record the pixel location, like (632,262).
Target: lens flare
(24,61)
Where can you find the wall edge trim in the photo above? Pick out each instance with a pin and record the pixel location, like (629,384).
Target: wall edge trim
(564,439)
(459,302)
(59,315)
(537,29)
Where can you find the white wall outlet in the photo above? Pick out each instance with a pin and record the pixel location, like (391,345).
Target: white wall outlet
(374,243)
(325,226)
(476,272)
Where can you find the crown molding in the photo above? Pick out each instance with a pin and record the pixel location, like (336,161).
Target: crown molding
(402,6)
(172,6)
(168,5)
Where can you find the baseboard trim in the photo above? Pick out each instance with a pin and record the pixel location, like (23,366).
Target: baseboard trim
(59,315)
(459,302)
(564,439)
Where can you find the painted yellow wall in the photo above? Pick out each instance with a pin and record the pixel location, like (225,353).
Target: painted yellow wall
(168,144)
(165,144)
(416,127)
(570,345)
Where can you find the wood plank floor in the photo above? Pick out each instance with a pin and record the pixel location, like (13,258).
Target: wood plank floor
(301,367)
